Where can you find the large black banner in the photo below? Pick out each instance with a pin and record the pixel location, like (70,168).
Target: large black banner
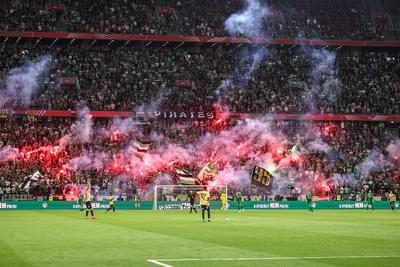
(262,178)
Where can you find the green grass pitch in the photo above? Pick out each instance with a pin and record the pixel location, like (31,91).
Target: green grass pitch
(253,238)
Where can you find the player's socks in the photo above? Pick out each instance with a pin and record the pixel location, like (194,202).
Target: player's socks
(87,213)
(91,212)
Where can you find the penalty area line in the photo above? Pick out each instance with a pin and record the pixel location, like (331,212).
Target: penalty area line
(160,262)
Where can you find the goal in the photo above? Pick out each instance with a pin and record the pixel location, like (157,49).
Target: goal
(175,197)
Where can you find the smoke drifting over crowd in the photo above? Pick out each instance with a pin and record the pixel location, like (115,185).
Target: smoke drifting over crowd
(22,83)
(325,85)
(81,131)
(8,153)
(248,21)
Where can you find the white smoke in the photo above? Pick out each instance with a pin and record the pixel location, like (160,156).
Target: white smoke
(248,21)
(318,145)
(22,83)
(89,160)
(325,83)
(81,131)
(8,153)
(374,162)
(348,179)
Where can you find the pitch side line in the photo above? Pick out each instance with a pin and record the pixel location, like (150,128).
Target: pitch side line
(160,261)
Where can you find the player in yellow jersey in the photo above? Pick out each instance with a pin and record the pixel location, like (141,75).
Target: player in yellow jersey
(204,196)
(111,203)
(392,200)
(223,201)
(88,200)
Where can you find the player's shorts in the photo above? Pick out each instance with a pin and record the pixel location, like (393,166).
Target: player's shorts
(112,205)
(192,204)
(205,207)
(391,203)
(88,205)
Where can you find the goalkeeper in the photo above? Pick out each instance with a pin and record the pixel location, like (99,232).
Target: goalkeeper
(223,201)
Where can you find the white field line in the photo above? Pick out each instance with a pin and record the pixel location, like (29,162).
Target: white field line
(156,262)
(160,261)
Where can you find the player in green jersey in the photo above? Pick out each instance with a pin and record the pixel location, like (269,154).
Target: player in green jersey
(239,200)
(370,200)
(80,202)
(309,198)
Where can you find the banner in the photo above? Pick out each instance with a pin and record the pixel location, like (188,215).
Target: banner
(55,6)
(174,205)
(67,80)
(185,177)
(182,115)
(183,83)
(208,172)
(261,178)
(197,115)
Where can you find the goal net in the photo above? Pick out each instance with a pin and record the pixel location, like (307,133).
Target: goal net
(175,197)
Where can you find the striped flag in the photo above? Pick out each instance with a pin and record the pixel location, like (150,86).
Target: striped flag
(35,177)
(140,146)
(185,177)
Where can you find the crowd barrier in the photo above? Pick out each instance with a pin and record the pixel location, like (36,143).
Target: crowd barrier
(175,205)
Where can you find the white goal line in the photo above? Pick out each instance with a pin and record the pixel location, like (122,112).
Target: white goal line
(161,262)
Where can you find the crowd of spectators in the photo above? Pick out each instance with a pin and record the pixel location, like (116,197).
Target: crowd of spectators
(123,78)
(186,78)
(328,19)
(351,142)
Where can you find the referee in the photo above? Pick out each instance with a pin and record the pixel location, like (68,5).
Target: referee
(191,198)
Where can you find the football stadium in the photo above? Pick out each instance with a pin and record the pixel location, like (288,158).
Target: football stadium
(199,133)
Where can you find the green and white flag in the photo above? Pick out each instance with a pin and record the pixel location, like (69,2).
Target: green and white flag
(185,177)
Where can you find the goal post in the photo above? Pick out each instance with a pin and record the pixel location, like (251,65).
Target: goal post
(175,197)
